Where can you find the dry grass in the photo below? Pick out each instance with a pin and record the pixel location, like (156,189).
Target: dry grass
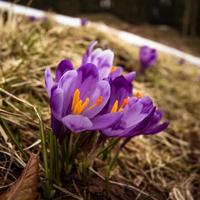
(164,166)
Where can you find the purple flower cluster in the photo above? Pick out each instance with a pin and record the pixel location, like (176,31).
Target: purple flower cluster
(96,96)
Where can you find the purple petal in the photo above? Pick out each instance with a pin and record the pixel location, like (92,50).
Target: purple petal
(63,66)
(115,73)
(105,63)
(156,129)
(58,128)
(88,52)
(68,83)
(135,129)
(56,102)
(102,89)
(130,76)
(48,81)
(120,89)
(77,123)
(106,120)
(147,104)
(87,77)
(156,117)
(133,115)
(94,56)
(138,128)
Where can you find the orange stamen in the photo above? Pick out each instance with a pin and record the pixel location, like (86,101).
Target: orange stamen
(80,106)
(137,94)
(115,107)
(114,68)
(84,105)
(97,102)
(77,104)
(124,103)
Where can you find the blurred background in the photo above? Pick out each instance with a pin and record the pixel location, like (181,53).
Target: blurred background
(183,15)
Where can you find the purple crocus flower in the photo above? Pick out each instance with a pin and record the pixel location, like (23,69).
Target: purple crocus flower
(76,99)
(102,59)
(140,116)
(84,21)
(147,56)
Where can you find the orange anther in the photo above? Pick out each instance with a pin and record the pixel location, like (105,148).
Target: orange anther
(137,94)
(114,68)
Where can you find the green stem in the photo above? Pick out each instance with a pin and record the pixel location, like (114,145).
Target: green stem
(44,148)
(48,184)
(54,161)
(110,167)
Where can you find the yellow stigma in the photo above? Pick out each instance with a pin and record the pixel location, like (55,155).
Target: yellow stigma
(137,94)
(97,102)
(115,107)
(114,68)
(77,104)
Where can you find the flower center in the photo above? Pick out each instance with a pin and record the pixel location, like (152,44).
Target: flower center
(116,105)
(78,105)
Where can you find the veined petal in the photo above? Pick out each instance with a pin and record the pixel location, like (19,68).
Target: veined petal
(130,76)
(88,52)
(105,63)
(156,117)
(102,89)
(114,74)
(68,83)
(120,89)
(105,120)
(156,129)
(95,55)
(133,116)
(48,81)
(87,79)
(56,102)
(58,128)
(63,66)
(77,123)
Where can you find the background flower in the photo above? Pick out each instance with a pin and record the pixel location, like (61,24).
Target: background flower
(84,21)
(147,56)
(102,59)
